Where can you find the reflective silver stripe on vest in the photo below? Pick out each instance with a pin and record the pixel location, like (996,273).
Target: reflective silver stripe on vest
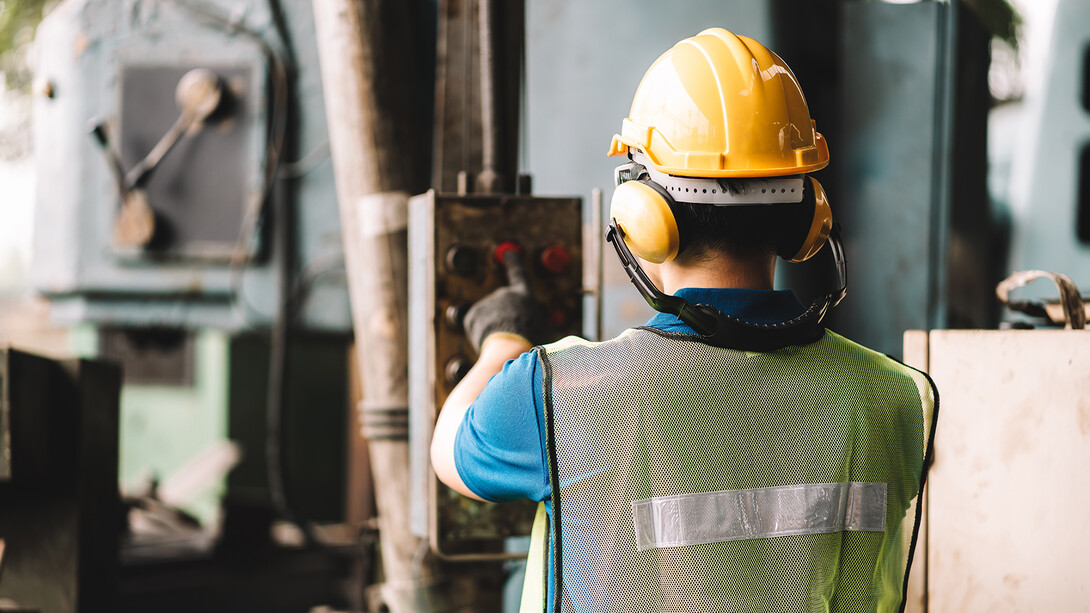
(732,515)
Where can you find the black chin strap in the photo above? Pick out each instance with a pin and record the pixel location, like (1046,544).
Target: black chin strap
(721,330)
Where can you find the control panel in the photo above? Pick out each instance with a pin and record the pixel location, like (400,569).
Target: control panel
(192,126)
(456,246)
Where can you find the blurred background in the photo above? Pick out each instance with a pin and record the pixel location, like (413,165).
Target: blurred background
(192,190)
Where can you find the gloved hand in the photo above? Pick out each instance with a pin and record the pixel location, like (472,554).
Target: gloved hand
(510,309)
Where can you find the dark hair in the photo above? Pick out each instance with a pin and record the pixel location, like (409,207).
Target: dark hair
(708,231)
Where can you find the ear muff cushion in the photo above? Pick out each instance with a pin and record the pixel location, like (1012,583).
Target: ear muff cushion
(642,210)
(807,226)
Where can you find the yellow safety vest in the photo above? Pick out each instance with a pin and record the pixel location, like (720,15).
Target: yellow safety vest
(695,478)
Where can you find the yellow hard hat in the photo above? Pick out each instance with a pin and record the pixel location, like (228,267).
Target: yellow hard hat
(721,105)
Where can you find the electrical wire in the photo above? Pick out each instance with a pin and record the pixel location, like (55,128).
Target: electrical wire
(306,164)
(314,271)
(281,331)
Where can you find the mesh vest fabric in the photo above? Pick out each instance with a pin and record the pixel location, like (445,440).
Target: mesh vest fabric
(652,414)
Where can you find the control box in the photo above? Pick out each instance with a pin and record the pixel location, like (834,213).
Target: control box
(453,245)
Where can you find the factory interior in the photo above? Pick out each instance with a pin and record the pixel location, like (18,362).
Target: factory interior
(239,240)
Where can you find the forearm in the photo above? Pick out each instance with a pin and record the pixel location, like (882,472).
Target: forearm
(497,350)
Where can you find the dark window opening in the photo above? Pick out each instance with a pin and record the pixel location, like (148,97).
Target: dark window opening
(1082,223)
(1086,80)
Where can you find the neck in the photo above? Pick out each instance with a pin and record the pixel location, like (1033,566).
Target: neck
(727,272)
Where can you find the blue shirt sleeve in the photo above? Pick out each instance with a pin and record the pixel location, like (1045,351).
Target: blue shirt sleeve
(499,450)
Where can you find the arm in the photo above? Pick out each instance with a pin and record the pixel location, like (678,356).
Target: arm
(496,350)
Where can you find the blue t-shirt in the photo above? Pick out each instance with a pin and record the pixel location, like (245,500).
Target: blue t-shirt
(499,450)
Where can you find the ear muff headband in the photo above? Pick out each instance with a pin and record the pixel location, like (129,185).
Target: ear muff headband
(642,211)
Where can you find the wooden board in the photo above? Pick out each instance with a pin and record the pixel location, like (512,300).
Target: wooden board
(1008,492)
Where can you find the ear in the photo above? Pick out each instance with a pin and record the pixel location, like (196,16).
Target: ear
(642,211)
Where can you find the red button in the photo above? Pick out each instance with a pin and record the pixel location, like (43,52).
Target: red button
(504,248)
(556,259)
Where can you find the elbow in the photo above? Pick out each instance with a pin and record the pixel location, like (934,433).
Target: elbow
(442,462)
(437,455)
(442,457)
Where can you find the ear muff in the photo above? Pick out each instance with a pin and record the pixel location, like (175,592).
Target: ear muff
(804,238)
(642,211)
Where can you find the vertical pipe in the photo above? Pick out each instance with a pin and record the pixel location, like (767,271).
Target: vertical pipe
(373,168)
(489,181)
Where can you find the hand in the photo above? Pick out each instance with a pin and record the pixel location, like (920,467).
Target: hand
(510,309)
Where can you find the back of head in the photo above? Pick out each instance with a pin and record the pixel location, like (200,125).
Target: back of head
(742,232)
(720,144)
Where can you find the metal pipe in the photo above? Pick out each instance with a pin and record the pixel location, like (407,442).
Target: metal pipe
(358,44)
(488,181)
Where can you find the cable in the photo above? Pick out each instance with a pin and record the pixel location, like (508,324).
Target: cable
(278,349)
(467,70)
(308,277)
(524,109)
(305,165)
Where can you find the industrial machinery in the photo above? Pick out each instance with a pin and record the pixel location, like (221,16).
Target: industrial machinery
(163,130)
(455,243)
(186,219)
(59,505)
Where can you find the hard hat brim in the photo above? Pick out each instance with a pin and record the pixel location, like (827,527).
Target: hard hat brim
(808,159)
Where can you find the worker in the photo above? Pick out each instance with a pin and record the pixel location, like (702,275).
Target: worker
(732,454)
